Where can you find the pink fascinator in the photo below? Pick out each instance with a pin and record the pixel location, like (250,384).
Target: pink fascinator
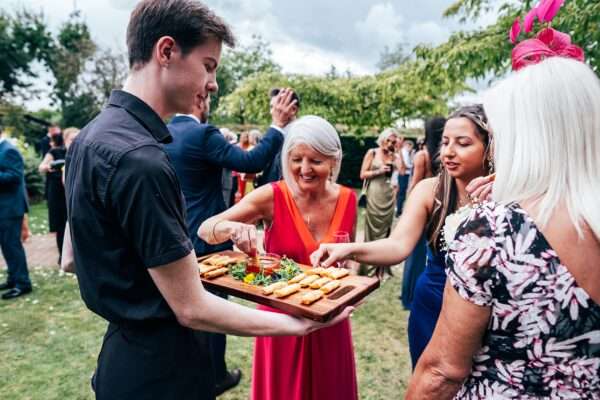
(548,43)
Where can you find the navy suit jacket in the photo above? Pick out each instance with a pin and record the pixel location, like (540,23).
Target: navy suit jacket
(13,194)
(199,153)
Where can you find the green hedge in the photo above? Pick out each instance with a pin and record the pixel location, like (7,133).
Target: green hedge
(354,148)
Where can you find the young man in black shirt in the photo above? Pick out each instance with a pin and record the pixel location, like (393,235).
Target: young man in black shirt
(134,261)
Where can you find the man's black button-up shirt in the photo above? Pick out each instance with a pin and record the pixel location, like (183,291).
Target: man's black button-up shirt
(126,211)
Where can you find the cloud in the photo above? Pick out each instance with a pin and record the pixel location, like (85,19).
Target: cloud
(123,4)
(307,59)
(428,32)
(381,27)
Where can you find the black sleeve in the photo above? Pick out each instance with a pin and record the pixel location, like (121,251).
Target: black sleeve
(146,198)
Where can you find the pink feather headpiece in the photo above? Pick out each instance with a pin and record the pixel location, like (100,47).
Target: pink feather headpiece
(548,42)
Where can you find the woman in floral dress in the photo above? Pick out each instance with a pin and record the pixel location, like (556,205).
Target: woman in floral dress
(521,313)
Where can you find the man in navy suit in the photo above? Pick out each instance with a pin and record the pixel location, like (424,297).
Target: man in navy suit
(272,172)
(199,153)
(13,206)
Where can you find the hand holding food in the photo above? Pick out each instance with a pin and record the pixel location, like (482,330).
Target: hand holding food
(329,253)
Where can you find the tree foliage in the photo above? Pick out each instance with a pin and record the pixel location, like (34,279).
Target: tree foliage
(477,53)
(71,50)
(24,38)
(241,63)
(372,101)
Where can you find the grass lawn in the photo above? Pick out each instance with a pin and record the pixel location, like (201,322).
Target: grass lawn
(49,343)
(38,218)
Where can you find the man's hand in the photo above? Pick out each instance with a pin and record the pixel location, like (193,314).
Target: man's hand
(283,108)
(25,232)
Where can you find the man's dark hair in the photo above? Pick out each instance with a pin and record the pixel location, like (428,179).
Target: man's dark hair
(189,22)
(275,91)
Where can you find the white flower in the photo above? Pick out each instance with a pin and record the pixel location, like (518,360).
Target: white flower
(453,221)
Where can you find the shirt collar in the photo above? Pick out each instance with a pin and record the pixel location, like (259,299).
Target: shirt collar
(143,112)
(192,116)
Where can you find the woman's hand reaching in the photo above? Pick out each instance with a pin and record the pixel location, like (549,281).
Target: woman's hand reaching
(328,254)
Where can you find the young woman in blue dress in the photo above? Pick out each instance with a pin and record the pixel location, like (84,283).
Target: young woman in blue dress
(464,155)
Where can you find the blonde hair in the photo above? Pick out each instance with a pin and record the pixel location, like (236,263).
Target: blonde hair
(317,133)
(68,132)
(546,126)
(383,136)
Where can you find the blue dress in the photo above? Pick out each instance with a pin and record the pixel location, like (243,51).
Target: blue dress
(426,304)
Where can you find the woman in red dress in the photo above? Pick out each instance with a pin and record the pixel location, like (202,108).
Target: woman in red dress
(300,212)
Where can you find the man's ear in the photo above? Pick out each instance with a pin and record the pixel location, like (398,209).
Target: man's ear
(164,49)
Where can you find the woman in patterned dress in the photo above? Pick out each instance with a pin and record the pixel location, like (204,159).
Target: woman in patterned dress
(521,313)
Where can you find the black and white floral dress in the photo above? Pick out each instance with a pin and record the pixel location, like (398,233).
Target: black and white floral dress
(543,338)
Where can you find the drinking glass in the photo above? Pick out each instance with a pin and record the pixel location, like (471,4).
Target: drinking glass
(389,173)
(341,237)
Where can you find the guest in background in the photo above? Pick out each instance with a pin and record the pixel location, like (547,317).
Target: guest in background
(69,135)
(255,136)
(13,207)
(230,178)
(52,166)
(199,153)
(43,145)
(272,172)
(245,180)
(426,165)
(406,160)
(377,169)
(464,153)
(426,162)
(521,312)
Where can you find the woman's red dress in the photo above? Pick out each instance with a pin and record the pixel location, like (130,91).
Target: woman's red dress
(319,366)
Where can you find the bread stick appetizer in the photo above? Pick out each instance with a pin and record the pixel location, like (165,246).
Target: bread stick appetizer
(286,291)
(204,268)
(329,271)
(339,273)
(297,278)
(315,271)
(308,280)
(216,273)
(330,286)
(312,296)
(273,287)
(319,282)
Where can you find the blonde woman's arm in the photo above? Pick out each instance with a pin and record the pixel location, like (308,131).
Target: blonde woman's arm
(446,362)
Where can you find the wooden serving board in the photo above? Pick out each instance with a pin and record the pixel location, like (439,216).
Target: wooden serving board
(353,288)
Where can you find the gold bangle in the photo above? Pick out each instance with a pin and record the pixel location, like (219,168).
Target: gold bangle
(214,236)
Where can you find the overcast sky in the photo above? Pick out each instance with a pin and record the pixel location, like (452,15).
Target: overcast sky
(306,36)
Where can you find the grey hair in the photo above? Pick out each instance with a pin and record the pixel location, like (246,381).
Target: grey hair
(383,136)
(317,133)
(546,123)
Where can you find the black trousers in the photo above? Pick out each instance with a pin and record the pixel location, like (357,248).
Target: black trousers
(153,362)
(217,345)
